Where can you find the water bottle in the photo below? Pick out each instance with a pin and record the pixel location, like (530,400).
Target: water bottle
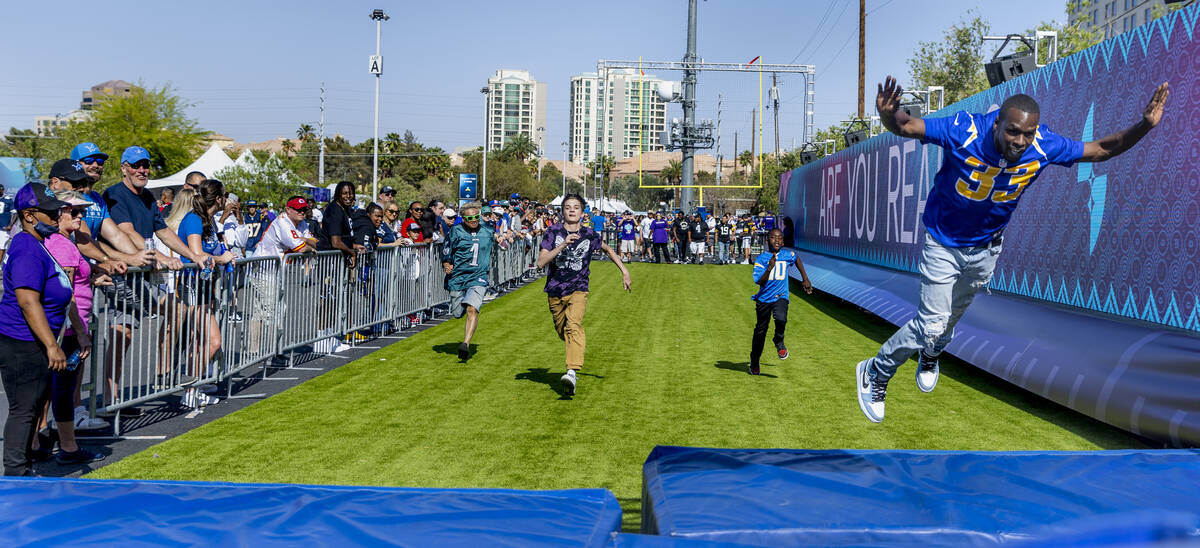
(149,246)
(73,361)
(207,272)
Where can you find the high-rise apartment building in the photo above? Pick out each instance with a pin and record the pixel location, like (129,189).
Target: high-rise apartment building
(1112,17)
(111,88)
(635,115)
(516,103)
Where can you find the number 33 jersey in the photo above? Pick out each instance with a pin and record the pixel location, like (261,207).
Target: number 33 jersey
(976,191)
(777,279)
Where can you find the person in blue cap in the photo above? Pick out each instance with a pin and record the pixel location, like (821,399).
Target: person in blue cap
(98,223)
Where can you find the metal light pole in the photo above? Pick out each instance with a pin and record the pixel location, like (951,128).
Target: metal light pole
(487,139)
(689,109)
(564,169)
(541,137)
(376,68)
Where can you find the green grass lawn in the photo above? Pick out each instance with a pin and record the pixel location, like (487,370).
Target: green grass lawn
(665,365)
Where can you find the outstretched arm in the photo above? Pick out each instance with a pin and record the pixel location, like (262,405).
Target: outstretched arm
(887,102)
(1116,143)
(616,259)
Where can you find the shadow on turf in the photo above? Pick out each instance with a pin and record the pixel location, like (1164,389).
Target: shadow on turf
(549,378)
(452,348)
(740,367)
(879,329)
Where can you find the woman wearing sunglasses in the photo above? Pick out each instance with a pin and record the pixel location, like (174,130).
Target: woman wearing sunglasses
(33,309)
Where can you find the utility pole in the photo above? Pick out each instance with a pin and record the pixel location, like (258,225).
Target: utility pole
(689,109)
(564,170)
(718,138)
(377,68)
(775,108)
(753,133)
(735,153)
(862,50)
(321,133)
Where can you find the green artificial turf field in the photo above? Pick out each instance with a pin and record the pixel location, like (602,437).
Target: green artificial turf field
(665,365)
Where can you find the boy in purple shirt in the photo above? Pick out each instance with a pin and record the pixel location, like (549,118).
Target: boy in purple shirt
(567,251)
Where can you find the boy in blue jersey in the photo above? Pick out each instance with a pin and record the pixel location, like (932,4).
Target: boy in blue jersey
(467,260)
(989,161)
(771,275)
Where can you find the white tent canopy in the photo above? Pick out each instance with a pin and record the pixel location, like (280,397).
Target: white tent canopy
(213,160)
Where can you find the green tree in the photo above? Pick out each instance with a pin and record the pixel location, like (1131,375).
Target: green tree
(288,147)
(955,62)
(746,159)
(269,181)
(519,147)
(153,118)
(673,172)
(305,133)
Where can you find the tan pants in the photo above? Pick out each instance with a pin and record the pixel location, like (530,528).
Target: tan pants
(568,322)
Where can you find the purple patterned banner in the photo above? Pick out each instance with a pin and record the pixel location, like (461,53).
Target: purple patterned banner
(1120,237)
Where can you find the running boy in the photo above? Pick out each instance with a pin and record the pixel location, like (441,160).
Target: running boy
(467,260)
(771,275)
(567,249)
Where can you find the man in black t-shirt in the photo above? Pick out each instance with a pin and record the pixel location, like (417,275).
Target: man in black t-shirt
(724,236)
(699,235)
(682,230)
(337,232)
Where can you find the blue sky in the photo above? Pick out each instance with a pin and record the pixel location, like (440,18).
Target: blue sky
(254,69)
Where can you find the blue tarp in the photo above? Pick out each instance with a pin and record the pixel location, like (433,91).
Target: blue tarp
(1133,375)
(158,513)
(787,497)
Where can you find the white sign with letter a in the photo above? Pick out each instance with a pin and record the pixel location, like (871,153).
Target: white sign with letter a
(376,64)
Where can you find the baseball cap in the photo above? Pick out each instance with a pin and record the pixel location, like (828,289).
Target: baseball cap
(76,202)
(515,196)
(134,154)
(38,195)
(83,150)
(504,202)
(387,190)
(251,203)
(485,210)
(449,213)
(493,202)
(298,203)
(68,170)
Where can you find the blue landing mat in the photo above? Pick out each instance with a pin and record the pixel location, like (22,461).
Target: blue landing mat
(156,513)
(919,498)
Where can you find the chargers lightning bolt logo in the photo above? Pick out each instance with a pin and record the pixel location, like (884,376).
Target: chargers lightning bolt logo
(1098,184)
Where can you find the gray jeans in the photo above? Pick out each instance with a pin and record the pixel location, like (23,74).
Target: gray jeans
(950,277)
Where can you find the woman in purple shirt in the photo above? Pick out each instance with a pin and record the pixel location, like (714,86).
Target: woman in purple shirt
(32,312)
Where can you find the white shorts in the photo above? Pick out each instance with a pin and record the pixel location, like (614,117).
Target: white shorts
(697,247)
(628,246)
(745,242)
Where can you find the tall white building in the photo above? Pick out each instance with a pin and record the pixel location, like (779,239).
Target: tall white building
(1113,17)
(627,95)
(516,103)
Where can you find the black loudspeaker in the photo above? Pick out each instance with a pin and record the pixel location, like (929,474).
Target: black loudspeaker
(855,137)
(1003,69)
(808,157)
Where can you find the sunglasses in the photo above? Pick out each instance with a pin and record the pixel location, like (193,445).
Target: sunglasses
(141,164)
(72,211)
(51,214)
(393,211)
(470,217)
(89,161)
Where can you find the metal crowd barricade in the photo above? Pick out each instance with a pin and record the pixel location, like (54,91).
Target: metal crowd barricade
(158,333)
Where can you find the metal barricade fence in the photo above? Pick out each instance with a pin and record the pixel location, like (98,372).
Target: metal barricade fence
(158,333)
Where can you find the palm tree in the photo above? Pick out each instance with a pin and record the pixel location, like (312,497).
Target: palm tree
(520,147)
(305,133)
(606,165)
(746,158)
(672,172)
(288,147)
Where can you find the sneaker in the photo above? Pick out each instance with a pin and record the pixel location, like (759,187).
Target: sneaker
(783,353)
(754,369)
(464,351)
(41,454)
(568,382)
(927,372)
(78,456)
(235,317)
(85,422)
(195,399)
(871,393)
(340,347)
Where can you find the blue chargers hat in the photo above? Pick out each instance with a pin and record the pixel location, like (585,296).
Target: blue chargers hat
(493,203)
(515,196)
(134,154)
(84,150)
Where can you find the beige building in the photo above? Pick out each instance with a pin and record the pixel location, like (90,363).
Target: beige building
(632,103)
(47,125)
(516,104)
(1113,17)
(111,88)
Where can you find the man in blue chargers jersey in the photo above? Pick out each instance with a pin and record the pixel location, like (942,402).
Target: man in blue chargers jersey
(771,275)
(989,161)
